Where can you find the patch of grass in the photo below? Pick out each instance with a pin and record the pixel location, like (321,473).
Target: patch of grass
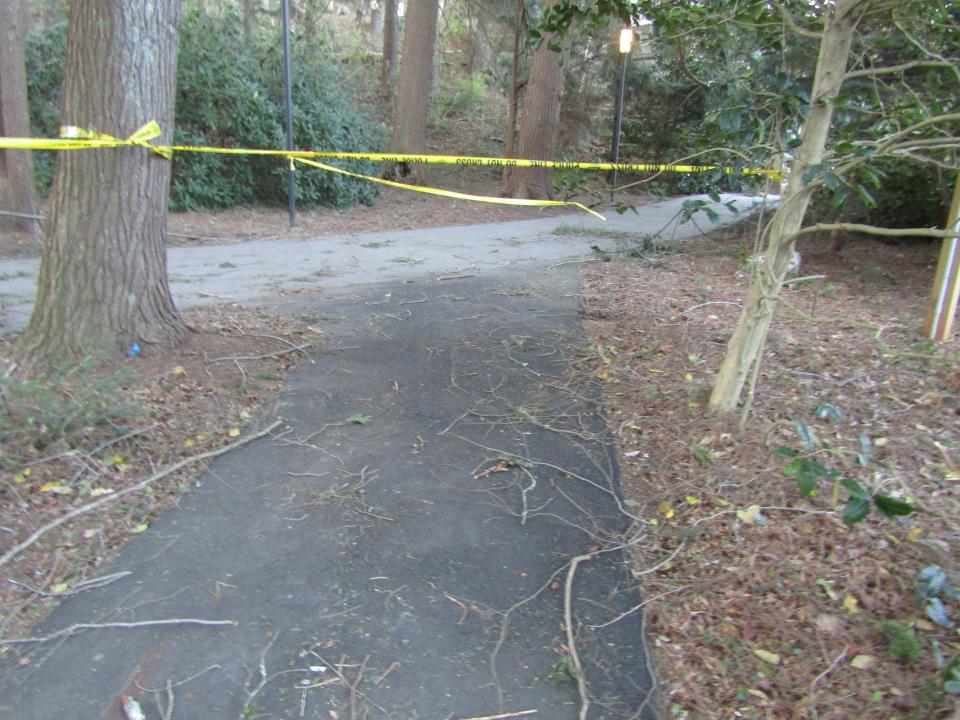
(357,419)
(577,231)
(63,405)
(226,265)
(377,244)
(902,642)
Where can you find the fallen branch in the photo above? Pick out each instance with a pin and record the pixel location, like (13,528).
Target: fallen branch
(84,509)
(571,642)
(278,353)
(79,627)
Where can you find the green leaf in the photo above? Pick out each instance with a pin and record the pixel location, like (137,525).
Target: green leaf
(785,452)
(715,196)
(807,483)
(712,214)
(865,196)
(855,489)
(855,510)
(891,506)
(840,196)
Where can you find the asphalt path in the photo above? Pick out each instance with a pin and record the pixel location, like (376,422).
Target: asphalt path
(434,531)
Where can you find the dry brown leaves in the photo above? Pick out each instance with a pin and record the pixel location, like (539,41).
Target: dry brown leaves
(763,612)
(191,402)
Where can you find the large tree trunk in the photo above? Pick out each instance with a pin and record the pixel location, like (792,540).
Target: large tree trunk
(15,117)
(103,276)
(745,348)
(413,93)
(540,122)
(388,64)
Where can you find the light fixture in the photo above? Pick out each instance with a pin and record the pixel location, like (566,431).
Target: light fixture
(626,40)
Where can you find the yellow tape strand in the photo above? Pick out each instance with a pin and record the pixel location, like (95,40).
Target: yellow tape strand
(451,193)
(74,138)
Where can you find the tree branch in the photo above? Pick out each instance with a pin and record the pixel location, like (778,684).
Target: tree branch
(893,69)
(874,230)
(78,627)
(84,509)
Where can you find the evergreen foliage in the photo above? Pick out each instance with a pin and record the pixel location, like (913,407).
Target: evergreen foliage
(230,94)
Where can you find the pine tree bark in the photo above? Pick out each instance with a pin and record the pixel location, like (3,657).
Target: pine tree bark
(746,345)
(388,64)
(15,118)
(103,276)
(539,123)
(413,91)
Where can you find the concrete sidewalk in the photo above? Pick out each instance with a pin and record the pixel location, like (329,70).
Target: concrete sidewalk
(255,271)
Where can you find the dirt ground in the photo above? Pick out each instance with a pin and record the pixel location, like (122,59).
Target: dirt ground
(761,602)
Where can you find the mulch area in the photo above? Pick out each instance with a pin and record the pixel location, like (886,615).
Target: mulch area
(147,413)
(761,602)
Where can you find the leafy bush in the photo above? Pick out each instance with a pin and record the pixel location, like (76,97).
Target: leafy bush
(44,50)
(230,94)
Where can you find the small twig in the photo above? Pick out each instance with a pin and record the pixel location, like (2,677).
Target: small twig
(505,716)
(455,277)
(83,509)
(383,676)
(166,711)
(278,339)
(635,608)
(571,642)
(91,584)
(813,686)
(278,353)
(354,691)
(79,627)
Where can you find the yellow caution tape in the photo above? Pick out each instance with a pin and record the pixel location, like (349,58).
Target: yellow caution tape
(451,193)
(74,138)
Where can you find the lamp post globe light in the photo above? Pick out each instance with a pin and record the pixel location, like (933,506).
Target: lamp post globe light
(626,45)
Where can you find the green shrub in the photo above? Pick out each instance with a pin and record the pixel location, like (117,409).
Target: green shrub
(230,94)
(44,50)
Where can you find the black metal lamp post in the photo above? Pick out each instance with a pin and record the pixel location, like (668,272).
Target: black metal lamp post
(626,44)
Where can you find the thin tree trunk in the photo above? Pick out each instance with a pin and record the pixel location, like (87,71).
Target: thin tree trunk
(413,93)
(248,18)
(745,348)
(103,277)
(511,135)
(388,64)
(18,164)
(540,122)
